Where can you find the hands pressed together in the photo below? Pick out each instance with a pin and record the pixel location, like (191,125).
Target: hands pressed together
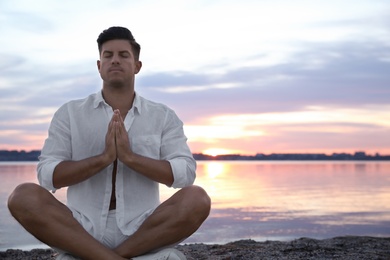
(117,140)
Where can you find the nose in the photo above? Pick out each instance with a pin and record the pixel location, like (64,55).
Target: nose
(115,59)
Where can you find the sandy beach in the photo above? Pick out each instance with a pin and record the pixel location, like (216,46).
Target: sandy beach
(347,247)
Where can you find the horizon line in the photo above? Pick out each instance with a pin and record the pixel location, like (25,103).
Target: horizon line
(362,152)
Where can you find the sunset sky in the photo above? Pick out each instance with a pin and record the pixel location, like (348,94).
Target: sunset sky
(244,76)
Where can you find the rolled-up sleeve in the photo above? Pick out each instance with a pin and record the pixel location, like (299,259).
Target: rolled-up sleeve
(45,173)
(180,166)
(56,148)
(175,150)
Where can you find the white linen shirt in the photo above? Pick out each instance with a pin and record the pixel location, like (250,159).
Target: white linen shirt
(78,131)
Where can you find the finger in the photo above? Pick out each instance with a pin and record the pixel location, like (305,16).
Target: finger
(119,120)
(111,127)
(115,117)
(120,117)
(118,130)
(117,113)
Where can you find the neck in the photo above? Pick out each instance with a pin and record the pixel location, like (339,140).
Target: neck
(119,98)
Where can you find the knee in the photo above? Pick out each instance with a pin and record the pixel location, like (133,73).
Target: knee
(22,197)
(199,201)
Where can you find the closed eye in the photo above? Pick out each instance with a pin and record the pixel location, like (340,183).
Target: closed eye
(107,54)
(124,54)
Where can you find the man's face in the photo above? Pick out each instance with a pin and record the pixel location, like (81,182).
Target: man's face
(117,64)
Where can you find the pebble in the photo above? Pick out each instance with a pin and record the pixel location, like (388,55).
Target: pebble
(346,247)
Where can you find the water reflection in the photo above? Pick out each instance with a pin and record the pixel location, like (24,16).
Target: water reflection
(285,200)
(215,169)
(271,200)
(316,188)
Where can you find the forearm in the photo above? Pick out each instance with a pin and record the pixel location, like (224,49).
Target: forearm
(157,170)
(69,173)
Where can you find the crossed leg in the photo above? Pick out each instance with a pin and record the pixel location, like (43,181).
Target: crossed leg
(173,221)
(50,221)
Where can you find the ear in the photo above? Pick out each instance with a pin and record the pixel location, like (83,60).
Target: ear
(98,64)
(138,66)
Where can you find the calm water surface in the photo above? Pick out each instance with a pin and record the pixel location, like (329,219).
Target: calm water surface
(259,200)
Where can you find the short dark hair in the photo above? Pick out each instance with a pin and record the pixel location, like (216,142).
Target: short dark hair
(121,33)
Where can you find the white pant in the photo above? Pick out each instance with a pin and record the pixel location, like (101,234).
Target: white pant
(112,238)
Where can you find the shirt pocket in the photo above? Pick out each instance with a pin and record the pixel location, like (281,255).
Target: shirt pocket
(147,145)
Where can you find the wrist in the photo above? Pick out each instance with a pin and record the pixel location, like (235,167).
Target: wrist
(129,158)
(106,158)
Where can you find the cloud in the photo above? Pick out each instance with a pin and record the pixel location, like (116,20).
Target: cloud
(272,58)
(27,22)
(31,93)
(328,76)
(346,74)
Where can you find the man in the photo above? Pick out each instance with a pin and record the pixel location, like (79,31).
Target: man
(112,149)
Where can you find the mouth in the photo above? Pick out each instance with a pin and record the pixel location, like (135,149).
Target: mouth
(115,70)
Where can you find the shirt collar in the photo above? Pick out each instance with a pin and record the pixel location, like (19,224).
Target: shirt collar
(137,103)
(100,100)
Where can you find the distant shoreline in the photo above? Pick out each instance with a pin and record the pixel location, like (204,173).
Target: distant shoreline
(11,156)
